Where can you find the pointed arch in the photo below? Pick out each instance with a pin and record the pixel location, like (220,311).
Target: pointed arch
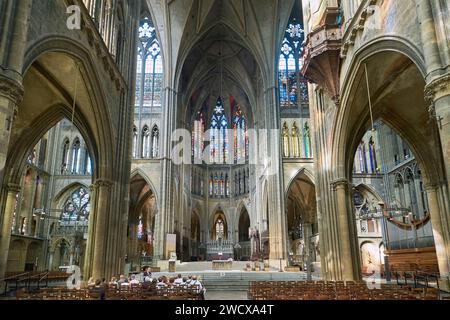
(155,142)
(139,172)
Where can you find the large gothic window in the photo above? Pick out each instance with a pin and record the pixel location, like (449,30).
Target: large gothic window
(293,87)
(219,135)
(198,137)
(240,136)
(149,69)
(77,207)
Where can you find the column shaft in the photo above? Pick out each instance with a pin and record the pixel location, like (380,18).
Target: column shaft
(439,241)
(5,236)
(100,232)
(344,231)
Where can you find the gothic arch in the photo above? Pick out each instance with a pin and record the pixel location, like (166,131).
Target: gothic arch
(303,171)
(76,53)
(369,189)
(404,61)
(139,172)
(16,160)
(56,241)
(67,190)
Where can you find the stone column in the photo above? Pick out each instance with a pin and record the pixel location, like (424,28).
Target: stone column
(50,260)
(10,96)
(100,232)
(165,218)
(341,188)
(438,232)
(437,94)
(5,236)
(429,38)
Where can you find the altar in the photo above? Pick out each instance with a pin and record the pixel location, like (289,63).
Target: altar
(222,264)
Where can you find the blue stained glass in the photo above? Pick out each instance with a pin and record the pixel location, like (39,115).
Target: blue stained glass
(77,207)
(292,86)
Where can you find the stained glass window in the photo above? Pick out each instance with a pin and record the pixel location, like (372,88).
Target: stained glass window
(220,230)
(155,142)
(76,156)
(211,185)
(65,156)
(140,230)
(145,142)
(149,83)
(293,87)
(77,206)
(219,134)
(135,142)
(286,144)
(198,137)
(307,141)
(373,156)
(240,136)
(295,141)
(149,67)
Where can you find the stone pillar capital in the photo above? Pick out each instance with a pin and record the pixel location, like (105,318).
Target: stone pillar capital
(437,89)
(12,187)
(339,183)
(103,183)
(430,187)
(10,89)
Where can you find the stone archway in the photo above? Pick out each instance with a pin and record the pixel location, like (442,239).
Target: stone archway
(302,228)
(195,238)
(397,86)
(52,78)
(141,221)
(247,245)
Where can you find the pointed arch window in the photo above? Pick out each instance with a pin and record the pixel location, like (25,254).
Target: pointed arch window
(198,137)
(149,68)
(135,142)
(77,207)
(65,156)
(87,162)
(373,156)
(140,229)
(219,135)
(295,141)
(145,142)
(216,185)
(286,144)
(362,157)
(222,186)
(220,229)
(227,186)
(76,156)
(307,140)
(211,186)
(155,142)
(293,89)
(240,136)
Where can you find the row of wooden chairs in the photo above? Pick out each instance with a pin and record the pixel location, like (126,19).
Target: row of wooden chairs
(138,293)
(339,290)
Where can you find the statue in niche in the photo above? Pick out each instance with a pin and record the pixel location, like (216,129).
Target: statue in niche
(254,243)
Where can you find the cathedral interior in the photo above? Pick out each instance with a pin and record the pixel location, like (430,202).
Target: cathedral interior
(311,136)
